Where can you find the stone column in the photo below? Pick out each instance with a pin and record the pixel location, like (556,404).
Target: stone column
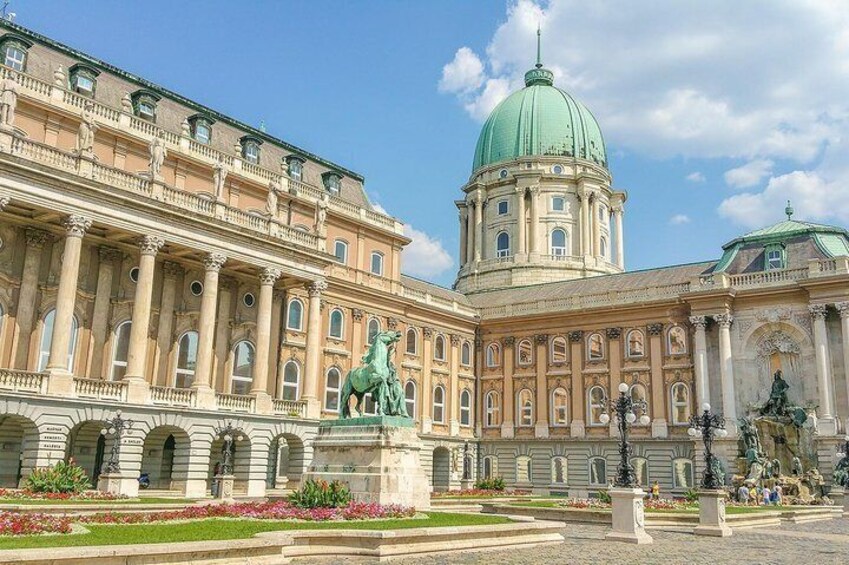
(206,331)
(726,372)
(700,362)
(164,339)
(478,226)
(509,398)
(464,235)
(454,387)
(470,232)
(620,236)
(228,287)
(479,362)
(586,244)
(541,357)
(61,381)
(843,309)
(100,315)
(314,349)
(657,402)
(576,362)
(521,225)
(826,423)
(533,236)
(149,246)
(596,228)
(426,393)
(25,313)
(277,301)
(267,278)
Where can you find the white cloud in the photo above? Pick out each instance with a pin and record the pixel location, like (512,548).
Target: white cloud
(378,208)
(696,176)
(750,174)
(424,256)
(463,74)
(679,219)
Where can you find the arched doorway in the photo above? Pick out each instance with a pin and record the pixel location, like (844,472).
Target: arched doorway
(89,448)
(285,462)
(19,441)
(165,458)
(441,469)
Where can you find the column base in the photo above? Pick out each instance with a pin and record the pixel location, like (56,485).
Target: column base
(263,403)
(826,426)
(138,390)
(224,487)
(659,429)
(628,516)
(577,429)
(507,430)
(205,397)
(60,382)
(118,484)
(712,514)
(194,488)
(541,430)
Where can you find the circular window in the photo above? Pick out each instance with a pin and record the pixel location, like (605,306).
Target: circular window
(503,173)
(557,169)
(134,274)
(249,300)
(196,287)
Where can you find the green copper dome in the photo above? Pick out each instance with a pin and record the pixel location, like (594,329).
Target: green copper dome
(538,120)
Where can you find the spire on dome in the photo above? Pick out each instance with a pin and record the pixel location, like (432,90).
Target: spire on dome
(539,49)
(539,74)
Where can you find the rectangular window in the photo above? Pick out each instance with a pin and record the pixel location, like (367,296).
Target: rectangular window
(15,58)
(203,134)
(146,111)
(252,153)
(774,259)
(503,207)
(377,264)
(558,204)
(85,85)
(296,170)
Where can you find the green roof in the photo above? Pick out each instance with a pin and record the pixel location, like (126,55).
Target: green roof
(539,120)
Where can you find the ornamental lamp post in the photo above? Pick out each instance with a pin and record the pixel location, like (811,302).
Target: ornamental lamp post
(709,426)
(623,408)
(114,427)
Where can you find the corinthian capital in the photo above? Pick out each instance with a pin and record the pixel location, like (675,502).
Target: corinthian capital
(576,336)
(214,262)
(655,329)
(150,244)
(724,320)
(36,238)
(269,276)
(316,288)
(698,322)
(76,226)
(613,333)
(843,309)
(818,310)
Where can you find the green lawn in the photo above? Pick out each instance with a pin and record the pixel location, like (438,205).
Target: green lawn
(41,502)
(224,529)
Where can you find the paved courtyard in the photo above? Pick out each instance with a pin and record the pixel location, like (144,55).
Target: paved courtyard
(817,543)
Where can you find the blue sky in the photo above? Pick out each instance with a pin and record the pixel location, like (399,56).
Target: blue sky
(750,108)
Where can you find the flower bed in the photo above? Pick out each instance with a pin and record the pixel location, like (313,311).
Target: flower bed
(23,494)
(255,511)
(477,492)
(14,524)
(650,504)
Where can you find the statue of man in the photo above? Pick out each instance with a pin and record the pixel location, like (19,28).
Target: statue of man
(158,152)
(321,214)
(8,99)
(219,175)
(796,466)
(777,403)
(271,201)
(85,134)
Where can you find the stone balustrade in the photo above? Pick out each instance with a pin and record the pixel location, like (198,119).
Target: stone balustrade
(293,408)
(235,402)
(100,390)
(22,381)
(169,396)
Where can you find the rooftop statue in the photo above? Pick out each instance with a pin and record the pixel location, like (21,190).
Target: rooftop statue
(777,404)
(377,376)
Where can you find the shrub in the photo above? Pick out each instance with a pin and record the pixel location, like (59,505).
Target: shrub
(692,495)
(60,478)
(604,497)
(321,494)
(494,483)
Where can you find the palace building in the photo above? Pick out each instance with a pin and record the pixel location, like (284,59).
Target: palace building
(166,261)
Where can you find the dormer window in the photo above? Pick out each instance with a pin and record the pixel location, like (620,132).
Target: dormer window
(296,167)
(83,79)
(201,129)
(14,50)
(332,182)
(250,149)
(144,104)
(774,257)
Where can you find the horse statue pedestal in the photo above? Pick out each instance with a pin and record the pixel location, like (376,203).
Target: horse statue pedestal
(376,456)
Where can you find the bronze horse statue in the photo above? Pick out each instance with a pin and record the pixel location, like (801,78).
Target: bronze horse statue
(375,376)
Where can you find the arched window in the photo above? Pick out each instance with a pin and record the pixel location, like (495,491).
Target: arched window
(523,469)
(559,475)
(558,350)
(332,384)
(493,355)
(598,471)
(337,324)
(526,407)
(558,243)
(559,407)
(295,319)
(465,408)
(682,473)
(340,251)
(490,467)
(243,367)
(638,392)
(373,329)
(412,341)
(525,353)
(603,247)
(492,403)
(439,348)
(680,404)
(466,354)
(291,380)
(120,350)
(602,213)
(676,341)
(47,340)
(187,359)
(641,470)
(502,245)
(595,347)
(410,398)
(377,263)
(635,344)
(439,405)
(596,400)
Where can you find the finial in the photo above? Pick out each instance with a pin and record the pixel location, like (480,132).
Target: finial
(789,210)
(539,49)
(262,126)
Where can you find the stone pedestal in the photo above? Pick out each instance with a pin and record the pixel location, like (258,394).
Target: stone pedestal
(628,516)
(712,514)
(118,484)
(826,426)
(376,456)
(225,487)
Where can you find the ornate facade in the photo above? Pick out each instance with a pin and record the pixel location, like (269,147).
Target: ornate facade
(165,260)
